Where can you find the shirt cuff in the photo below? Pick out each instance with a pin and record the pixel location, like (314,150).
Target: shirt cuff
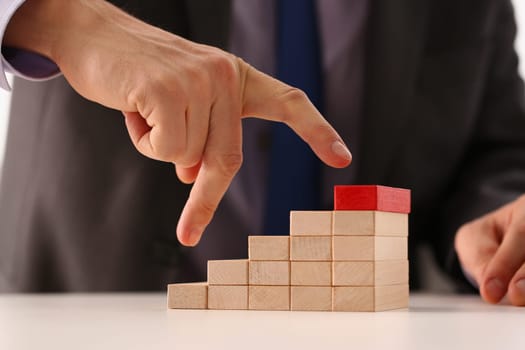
(29,65)
(22,63)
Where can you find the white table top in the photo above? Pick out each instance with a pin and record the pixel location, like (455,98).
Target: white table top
(141,321)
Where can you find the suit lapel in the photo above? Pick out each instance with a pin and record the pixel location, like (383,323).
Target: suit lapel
(396,34)
(209,21)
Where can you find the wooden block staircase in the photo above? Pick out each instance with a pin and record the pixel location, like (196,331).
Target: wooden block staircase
(354,258)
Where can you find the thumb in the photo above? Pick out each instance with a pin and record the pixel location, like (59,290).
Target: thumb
(267,98)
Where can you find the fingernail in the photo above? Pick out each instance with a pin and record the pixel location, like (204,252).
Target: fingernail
(495,288)
(521,286)
(340,149)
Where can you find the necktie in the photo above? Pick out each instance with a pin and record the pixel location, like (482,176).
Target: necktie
(294,174)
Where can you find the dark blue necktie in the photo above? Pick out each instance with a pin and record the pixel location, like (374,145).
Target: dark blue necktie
(294,169)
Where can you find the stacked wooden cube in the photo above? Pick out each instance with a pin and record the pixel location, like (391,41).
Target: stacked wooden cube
(353,258)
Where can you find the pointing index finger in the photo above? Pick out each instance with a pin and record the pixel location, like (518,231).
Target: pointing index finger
(221,161)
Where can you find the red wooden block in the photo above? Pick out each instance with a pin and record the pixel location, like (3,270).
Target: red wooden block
(372,197)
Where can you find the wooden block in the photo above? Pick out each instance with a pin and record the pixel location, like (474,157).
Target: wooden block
(353,299)
(369,273)
(269,298)
(228,272)
(269,248)
(369,223)
(310,223)
(270,273)
(228,297)
(306,248)
(310,273)
(372,197)
(311,298)
(188,295)
(377,298)
(369,248)
(391,297)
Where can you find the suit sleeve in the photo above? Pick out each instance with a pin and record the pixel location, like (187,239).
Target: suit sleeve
(493,171)
(24,64)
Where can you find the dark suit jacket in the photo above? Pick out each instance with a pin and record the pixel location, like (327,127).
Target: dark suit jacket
(81,210)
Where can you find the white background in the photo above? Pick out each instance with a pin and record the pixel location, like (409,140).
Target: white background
(4,96)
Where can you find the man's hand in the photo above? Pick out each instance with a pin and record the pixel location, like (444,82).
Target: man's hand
(183,102)
(492,250)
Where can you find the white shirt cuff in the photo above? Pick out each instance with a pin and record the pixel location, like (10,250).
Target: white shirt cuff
(7,9)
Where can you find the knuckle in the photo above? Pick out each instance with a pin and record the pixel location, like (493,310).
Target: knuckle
(227,164)
(224,67)
(206,207)
(154,87)
(321,132)
(293,100)
(292,97)
(317,133)
(200,82)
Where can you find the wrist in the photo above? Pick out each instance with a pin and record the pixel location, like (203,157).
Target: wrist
(48,27)
(33,26)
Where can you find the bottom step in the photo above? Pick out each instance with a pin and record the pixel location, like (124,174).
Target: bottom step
(188,295)
(371,298)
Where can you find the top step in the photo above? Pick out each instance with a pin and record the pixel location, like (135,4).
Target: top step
(372,197)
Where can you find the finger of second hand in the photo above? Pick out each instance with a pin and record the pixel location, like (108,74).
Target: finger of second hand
(506,262)
(476,245)
(221,161)
(517,287)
